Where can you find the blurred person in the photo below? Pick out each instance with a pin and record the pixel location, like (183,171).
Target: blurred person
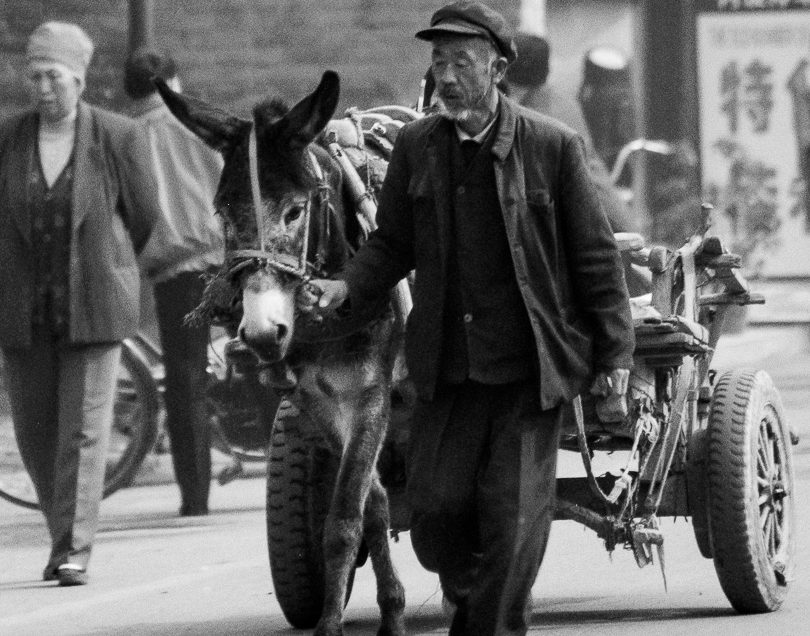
(527,82)
(606,97)
(187,243)
(76,206)
(519,305)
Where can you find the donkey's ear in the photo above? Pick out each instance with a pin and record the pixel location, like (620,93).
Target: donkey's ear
(220,130)
(309,116)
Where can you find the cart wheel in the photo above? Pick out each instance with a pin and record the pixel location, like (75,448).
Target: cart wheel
(297,503)
(750,478)
(697,484)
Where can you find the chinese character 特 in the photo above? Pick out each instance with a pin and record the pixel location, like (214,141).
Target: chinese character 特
(757,94)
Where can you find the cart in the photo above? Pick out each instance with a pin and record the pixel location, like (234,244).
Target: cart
(694,443)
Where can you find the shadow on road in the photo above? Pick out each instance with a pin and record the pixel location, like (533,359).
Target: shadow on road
(429,623)
(544,618)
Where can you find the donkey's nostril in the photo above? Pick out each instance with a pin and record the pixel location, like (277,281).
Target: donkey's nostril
(281,332)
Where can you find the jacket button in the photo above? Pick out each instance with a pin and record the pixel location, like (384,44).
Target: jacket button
(460,190)
(467,317)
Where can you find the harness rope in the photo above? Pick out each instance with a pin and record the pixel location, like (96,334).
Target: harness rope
(299,267)
(255,189)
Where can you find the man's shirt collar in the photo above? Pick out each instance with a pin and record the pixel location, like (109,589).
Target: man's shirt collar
(479,138)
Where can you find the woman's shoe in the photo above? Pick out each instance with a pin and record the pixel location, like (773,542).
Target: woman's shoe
(70,574)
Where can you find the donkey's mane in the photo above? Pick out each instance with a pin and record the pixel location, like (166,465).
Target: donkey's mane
(272,109)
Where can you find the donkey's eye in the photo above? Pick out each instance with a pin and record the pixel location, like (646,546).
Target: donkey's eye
(294,213)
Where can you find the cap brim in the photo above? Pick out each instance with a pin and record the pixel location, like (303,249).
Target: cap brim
(452,29)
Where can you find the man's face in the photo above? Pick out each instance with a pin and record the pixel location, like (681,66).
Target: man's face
(465,70)
(54,89)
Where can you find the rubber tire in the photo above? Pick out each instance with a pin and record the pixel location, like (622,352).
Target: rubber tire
(697,493)
(744,403)
(297,503)
(142,430)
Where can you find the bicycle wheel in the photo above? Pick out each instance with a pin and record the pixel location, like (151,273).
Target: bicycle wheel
(15,485)
(135,420)
(133,433)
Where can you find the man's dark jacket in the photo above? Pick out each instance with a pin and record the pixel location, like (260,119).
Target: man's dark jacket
(113,208)
(563,251)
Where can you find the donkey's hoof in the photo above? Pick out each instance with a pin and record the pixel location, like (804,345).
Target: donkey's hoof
(392,628)
(329,629)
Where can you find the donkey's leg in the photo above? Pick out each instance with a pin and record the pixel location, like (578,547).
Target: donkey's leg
(343,527)
(390,593)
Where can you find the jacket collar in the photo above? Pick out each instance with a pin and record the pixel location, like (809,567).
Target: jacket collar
(87,160)
(147,105)
(504,135)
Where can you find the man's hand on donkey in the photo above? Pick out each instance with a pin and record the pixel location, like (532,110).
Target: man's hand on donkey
(321,295)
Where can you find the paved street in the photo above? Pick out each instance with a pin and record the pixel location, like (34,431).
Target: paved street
(155,573)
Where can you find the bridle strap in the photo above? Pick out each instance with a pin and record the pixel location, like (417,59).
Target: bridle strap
(258,207)
(242,258)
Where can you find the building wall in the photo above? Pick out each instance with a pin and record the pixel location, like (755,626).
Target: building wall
(233,52)
(575,27)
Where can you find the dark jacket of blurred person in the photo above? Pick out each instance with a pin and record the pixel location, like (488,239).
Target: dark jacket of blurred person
(76,205)
(527,81)
(187,242)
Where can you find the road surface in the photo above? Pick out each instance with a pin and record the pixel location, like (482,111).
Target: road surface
(154,573)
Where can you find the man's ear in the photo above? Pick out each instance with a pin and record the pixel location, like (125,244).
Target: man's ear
(499,69)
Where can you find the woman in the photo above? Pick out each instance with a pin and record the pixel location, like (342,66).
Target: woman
(76,205)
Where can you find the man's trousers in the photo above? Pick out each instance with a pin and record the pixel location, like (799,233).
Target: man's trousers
(481,485)
(185,358)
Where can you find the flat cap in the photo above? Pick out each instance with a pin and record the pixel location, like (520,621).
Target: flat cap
(466,18)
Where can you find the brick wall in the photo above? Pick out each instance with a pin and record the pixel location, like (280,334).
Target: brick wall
(233,52)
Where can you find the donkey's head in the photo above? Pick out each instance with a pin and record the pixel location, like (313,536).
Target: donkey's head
(281,202)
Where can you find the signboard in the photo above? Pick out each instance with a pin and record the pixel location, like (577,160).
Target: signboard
(754,85)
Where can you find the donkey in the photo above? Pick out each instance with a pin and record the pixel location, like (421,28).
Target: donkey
(283,203)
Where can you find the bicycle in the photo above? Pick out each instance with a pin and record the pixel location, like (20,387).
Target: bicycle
(237,415)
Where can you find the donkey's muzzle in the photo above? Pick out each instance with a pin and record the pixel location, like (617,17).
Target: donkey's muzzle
(269,345)
(240,356)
